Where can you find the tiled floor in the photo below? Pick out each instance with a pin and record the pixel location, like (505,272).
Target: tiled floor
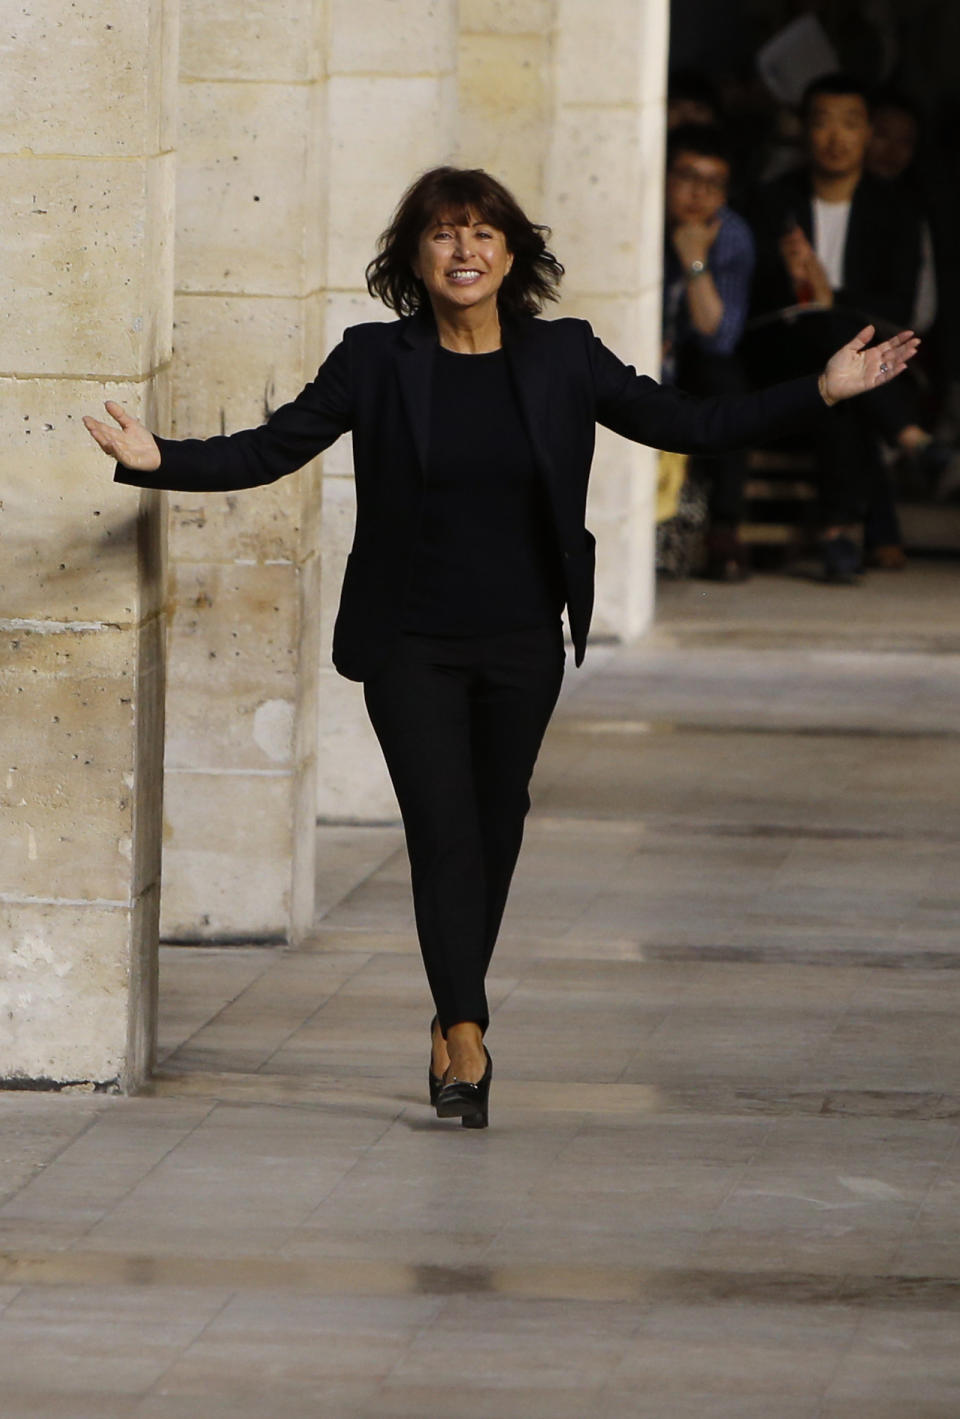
(722,1179)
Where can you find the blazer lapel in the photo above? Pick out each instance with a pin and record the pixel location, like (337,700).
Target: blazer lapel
(415,372)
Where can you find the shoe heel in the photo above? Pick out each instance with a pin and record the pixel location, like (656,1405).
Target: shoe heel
(480,1119)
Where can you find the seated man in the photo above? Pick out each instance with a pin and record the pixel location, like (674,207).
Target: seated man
(833,237)
(708,266)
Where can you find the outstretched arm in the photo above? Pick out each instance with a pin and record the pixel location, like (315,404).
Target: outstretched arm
(666,418)
(292,436)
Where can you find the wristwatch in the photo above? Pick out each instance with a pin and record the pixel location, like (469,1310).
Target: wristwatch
(695,269)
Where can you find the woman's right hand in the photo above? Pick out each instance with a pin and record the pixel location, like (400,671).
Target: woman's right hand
(132,444)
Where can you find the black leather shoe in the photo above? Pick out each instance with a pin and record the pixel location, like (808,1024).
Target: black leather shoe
(434,1081)
(468,1102)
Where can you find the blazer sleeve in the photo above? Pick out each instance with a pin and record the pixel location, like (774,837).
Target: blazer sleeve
(666,418)
(297,432)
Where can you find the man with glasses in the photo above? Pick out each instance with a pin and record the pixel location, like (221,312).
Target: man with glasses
(709,259)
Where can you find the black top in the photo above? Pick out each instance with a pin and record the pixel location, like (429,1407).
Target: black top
(486,558)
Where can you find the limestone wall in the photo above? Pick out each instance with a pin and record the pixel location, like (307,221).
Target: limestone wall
(86,136)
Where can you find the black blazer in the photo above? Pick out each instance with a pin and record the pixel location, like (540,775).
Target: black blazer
(377,384)
(881,258)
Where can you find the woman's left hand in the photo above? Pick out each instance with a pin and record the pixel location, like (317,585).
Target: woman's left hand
(854,369)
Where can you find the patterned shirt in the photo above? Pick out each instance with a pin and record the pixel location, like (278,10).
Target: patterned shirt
(730,263)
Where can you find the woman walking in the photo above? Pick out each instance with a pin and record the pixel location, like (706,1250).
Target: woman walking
(473,431)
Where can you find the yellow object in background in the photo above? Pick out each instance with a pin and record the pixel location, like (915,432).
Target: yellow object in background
(671,473)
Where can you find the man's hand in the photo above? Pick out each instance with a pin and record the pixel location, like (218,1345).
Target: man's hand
(692,240)
(803,266)
(132,444)
(854,369)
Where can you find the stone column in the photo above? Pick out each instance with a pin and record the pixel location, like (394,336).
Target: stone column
(391,112)
(605,203)
(85,313)
(241,743)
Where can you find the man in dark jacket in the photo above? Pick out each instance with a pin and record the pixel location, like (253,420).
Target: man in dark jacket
(832,238)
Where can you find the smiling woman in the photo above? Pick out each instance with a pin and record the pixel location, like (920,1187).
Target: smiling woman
(441,203)
(473,429)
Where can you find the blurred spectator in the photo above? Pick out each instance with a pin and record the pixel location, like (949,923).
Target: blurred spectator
(892,157)
(691,98)
(709,257)
(830,232)
(834,238)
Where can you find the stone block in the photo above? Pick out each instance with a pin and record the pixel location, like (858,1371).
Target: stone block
(310,480)
(66,792)
(414,123)
(599,193)
(279,40)
(238,359)
(339,519)
(249,189)
(86,282)
(352,780)
(535,17)
(227,846)
(148,710)
(384,37)
(88,79)
(144,989)
(505,110)
(599,44)
(63,996)
(68,532)
(654,39)
(232,668)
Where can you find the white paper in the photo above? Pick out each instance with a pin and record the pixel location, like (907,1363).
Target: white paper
(795,57)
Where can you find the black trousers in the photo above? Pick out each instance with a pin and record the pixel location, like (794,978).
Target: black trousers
(700,372)
(460,720)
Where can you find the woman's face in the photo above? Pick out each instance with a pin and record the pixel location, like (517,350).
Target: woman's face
(462,263)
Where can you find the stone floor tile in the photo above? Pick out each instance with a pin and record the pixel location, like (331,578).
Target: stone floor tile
(290,1342)
(497,1340)
(330,1399)
(79,1339)
(41,1403)
(738,1350)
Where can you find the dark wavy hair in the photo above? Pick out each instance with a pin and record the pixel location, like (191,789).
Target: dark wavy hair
(463,195)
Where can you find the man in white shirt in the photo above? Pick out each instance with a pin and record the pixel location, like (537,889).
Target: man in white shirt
(837,240)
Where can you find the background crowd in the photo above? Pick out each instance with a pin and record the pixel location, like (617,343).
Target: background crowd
(793,219)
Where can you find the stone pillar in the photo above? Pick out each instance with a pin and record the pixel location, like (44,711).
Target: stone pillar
(391,112)
(605,203)
(85,314)
(241,741)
